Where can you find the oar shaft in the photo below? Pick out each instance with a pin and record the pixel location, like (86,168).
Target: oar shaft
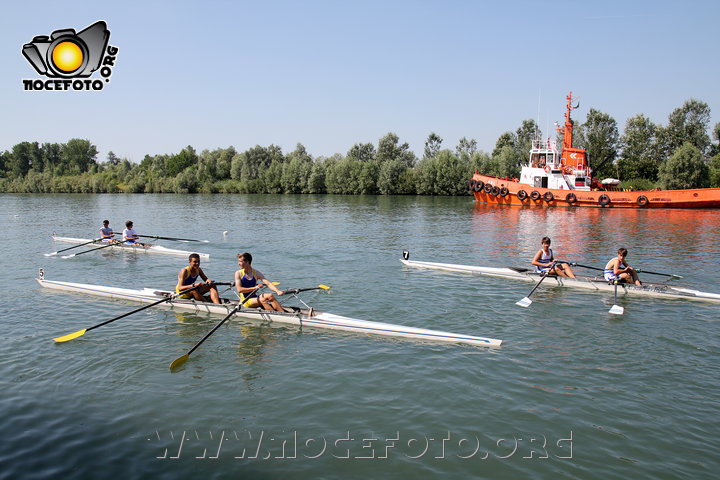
(80,245)
(180,360)
(616,309)
(616,285)
(173,238)
(638,270)
(166,299)
(80,333)
(232,312)
(298,290)
(525,302)
(91,250)
(543,277)
(170,297)
(672,275)
(575,264)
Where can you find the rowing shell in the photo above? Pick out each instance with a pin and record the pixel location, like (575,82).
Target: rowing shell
(130,248)
(585,282)
(299,317)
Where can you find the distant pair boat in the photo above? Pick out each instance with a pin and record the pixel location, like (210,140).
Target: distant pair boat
(98,243)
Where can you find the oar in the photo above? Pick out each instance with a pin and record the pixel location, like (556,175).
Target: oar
(180,360)
(616,309)
(91,250)
(638,270)
(525,302)
(298,290)
(672,276)
(173,238)
(80,333)
(70,248)
(575,264)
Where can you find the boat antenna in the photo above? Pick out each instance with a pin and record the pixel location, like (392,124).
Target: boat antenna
(547,126)
(538,117)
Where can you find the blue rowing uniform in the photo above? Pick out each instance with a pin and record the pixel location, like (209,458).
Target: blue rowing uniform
(246,282)
(547,259)
(609,271)
(610,275)
(189,280)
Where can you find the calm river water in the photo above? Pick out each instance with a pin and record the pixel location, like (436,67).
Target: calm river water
(573,393)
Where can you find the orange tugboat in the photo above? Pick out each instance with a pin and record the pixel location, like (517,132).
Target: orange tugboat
(563,178)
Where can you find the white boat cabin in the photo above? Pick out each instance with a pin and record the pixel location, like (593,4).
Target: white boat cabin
(546,170)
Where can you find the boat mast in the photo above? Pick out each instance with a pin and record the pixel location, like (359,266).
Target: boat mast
(575,158)
(567,129)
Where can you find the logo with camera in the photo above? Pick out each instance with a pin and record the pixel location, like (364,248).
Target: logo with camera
(68,58)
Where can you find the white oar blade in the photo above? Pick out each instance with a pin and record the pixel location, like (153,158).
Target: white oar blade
(525,302)
(50,254)
(69,256)
(616,310)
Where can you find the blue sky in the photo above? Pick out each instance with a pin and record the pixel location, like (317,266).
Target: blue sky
(329,74)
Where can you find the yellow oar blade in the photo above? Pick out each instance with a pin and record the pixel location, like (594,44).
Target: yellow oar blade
(66,338)
(179,361)
(324,287)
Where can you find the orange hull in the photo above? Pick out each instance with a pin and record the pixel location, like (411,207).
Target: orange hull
(502,191)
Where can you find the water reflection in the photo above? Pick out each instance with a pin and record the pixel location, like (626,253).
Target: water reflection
(253,345)
(185,318)
(111,254)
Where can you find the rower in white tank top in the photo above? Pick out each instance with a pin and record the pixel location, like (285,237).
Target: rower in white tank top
(544,262)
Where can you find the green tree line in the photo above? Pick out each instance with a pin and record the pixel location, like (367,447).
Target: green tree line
(680,154)
(646,155)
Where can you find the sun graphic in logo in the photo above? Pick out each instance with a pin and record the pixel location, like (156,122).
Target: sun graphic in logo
(67,56)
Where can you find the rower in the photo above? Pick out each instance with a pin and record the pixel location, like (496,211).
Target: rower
(187,279)
(130,237)
(544,262)
(618,270)
(246,283)
(106,232)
